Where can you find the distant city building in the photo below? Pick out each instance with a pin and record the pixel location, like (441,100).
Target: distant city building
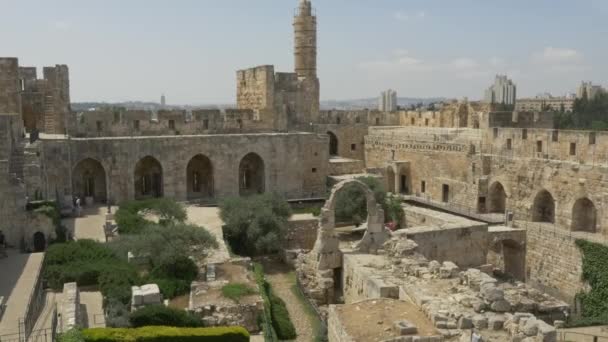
(546,102)
(388,101)
(590,89)
(163,101)
(503,91)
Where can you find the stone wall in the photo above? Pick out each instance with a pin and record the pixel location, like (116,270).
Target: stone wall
(302,232)
(294,164)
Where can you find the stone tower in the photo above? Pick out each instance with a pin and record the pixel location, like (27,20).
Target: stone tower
(305,29)
(305,52)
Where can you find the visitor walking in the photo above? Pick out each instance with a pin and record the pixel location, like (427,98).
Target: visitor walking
(78,208)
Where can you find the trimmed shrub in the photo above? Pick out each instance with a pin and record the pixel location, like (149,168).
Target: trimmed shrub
(163,316)
(72,335)
(167,334)
(281,321)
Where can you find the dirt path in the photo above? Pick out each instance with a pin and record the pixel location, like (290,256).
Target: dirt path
(278,275)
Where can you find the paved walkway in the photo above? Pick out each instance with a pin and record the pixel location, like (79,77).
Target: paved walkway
(209,218)
(90,224)
(278,275)
(17,277)
(92,303)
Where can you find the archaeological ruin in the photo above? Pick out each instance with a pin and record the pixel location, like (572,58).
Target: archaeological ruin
(493,201)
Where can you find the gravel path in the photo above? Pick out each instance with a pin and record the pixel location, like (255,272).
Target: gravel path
(282,282)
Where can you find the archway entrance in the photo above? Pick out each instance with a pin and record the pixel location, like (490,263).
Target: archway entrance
(199,177)
(498,199)
(543,209)
(89,180)
(333,144)
(39,242)
(390,179)
(148,178)
(584,216)
(251,175)
(509,257)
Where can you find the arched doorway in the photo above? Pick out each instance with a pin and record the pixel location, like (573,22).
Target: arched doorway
(543,209)
(89,180)
(509,257)
(39,242)
(333,144)
(251,175)
(404,182)
(498,198)
(148,178)
(199,177)
(390,179)
(584,216)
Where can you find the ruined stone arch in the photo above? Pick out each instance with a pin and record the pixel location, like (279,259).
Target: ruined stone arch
(251,175)
(326,256)
(543,208)
(89,180)
(333,144)
(148,178)
(497,198)
(584,216)
(199,177)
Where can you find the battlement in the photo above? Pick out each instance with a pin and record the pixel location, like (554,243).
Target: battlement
(354,117)
(120,122)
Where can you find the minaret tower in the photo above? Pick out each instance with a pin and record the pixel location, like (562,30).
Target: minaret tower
(305,29)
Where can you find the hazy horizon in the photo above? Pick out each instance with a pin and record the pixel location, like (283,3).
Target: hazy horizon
(190,50)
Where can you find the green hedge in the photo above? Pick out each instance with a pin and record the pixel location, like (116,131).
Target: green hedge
(129,215)
(595,271)
(160,315)
(167,334)
(278,314)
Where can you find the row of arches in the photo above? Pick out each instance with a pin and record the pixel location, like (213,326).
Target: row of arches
(89,178)
(584,212)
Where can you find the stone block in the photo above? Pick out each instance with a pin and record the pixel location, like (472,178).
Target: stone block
(546,332)
(405,327)
(150,294)
(496,322)
(137,297)
(465,322)
(480,321)
(530,327)
(500,306)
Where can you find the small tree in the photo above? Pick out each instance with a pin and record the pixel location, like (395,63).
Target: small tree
(255,225)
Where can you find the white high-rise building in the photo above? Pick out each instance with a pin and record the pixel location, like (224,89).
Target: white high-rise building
(163,101)
(388,101)
(503,91)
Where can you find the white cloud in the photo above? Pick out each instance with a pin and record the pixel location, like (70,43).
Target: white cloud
(554,55)
(401,62)
(407,16)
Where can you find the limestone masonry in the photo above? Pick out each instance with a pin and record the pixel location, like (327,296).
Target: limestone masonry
(485,192)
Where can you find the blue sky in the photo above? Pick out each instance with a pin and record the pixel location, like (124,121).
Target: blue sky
(190,49)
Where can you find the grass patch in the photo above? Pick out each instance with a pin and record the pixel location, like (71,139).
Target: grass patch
(237,291)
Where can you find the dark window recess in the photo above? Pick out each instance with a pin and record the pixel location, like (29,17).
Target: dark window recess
(423,186)
(136,125)
(353,147)
(314,170)
(171,124)
(555,136)
(524,134)
(509,146)
(572,149)
(592,138)
(539,146)
(206,124)
(377,121)
(99,126)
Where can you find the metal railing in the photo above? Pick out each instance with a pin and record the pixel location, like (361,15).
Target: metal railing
(574,336)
